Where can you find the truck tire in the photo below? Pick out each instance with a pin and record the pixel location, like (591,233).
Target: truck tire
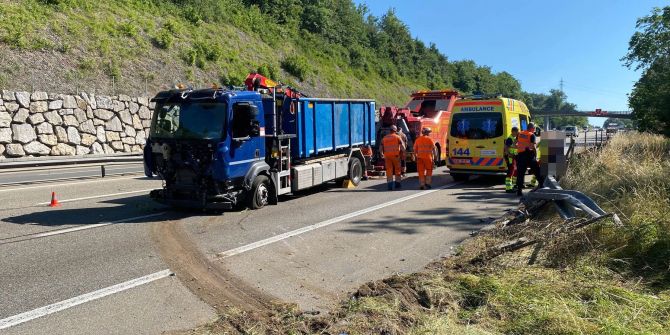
(355,173)
(460,176)
(260,192)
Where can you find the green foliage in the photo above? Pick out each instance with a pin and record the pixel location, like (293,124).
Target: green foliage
(650,98)
(297,66)
(268,70)
(164,39)
(232,78)
(201,52)
(621,122)
(556,100)
(652,42)
(128,29)
(112,68)
(648,50)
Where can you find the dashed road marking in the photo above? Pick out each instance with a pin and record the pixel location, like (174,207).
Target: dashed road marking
(280,237)
(14,239)
(84,298)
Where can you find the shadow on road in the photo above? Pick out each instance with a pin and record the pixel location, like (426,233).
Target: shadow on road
(463,211)
(128,208)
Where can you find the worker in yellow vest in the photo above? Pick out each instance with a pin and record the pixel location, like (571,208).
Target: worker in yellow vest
(393,148)
(424,149)
(510,159)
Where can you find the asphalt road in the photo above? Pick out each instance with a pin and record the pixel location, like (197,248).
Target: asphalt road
(98,264)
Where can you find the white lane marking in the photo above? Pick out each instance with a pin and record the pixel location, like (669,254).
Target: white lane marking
(73,229)
(84,298)
(95,225)
(95,180)
(97,196)
(277,238)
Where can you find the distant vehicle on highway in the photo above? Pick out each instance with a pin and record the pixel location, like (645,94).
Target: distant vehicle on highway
(585,128)
(571,131)
(597,128)
(612,128)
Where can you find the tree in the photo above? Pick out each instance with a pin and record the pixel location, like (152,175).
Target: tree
(649,50)
(652,42)
(650,98)
(555,101)
(285,12)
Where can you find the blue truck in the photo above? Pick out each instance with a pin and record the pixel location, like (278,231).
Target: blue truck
(224,148)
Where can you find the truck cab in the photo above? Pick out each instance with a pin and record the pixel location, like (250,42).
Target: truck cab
(204,143)
(426,109)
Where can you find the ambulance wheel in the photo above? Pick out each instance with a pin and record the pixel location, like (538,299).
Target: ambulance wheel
(355,173)
(460,176)
(260,192)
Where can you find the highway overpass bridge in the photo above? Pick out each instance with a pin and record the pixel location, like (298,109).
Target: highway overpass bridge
(596,113)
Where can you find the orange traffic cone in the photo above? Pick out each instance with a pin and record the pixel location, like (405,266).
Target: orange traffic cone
(54,201)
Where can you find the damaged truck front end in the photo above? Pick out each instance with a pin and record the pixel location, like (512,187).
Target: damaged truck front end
(186,148)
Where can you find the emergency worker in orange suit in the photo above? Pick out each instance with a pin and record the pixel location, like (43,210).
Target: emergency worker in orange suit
(393,148)
(424,149)
(526,145)
(403,161)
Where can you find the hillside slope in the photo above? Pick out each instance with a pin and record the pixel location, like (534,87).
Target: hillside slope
(137,47)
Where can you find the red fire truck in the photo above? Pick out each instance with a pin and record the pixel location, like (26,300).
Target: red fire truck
(427,109)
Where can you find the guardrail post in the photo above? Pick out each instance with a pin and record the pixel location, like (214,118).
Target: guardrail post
(102,171)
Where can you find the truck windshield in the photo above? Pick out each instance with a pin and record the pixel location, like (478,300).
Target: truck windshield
(476,126)
(200,120)
(427,108)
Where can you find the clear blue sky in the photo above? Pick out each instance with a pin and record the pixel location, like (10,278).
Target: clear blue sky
(538,42)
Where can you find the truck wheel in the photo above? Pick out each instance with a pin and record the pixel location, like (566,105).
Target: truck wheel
(460,176)
(355,171)
(260,192)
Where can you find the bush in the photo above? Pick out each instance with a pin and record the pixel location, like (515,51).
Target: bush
(269,71)
(297,66)
(164,39)
(232,78)
(128,29)
(202,52)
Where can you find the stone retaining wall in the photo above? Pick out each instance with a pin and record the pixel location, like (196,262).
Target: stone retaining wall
(41,124)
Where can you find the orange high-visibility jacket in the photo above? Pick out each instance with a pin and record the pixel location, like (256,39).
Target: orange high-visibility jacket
(424,147)
(392,145)
(523,141)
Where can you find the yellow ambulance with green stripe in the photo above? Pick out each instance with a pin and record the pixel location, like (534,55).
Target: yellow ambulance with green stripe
(479,127)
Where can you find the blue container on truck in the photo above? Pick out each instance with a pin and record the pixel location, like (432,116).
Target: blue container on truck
(223,148)
(328,125)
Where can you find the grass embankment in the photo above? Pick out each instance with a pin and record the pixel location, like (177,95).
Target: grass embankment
(133,46)
(327,48)
(601,279)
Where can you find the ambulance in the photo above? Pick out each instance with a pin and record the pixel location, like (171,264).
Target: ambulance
(479,126)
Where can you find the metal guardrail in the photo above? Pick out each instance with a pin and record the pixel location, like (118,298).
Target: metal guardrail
(567,202)
(31,162)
